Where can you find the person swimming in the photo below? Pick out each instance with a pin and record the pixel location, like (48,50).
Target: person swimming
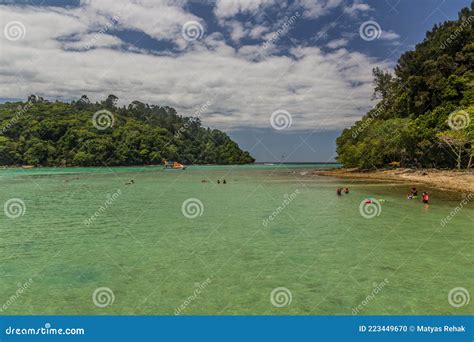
(425,198)
(218,181)
(224,182)
(346,190)
(339,191)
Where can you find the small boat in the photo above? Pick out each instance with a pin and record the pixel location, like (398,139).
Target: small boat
(173,165)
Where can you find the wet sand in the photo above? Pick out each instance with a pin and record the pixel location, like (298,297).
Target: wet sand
(443,179)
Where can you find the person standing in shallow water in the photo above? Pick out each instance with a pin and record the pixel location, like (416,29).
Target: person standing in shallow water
(339,191)
(346,190)
(425,198)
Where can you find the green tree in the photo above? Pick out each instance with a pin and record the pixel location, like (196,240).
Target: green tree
(410,119)
(46,133)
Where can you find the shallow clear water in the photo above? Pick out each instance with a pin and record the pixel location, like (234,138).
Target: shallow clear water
(153,258)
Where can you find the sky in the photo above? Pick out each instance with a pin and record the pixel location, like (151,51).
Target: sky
(281,77)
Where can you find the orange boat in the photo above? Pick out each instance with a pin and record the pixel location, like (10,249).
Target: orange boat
(173,165)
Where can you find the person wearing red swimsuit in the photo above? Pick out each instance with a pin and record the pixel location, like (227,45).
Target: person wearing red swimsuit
(425,198)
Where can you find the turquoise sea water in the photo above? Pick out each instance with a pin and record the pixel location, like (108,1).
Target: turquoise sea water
(271,229)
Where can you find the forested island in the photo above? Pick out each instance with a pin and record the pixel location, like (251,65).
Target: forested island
(425,113)
(422,119)
(45,133)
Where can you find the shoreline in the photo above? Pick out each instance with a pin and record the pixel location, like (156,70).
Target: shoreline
(461,181)
(29,167)
(453,180)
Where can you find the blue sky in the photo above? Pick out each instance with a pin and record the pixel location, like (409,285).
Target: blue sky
(282,78)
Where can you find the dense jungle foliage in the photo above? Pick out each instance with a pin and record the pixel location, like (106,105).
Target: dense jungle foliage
(81,133)
(425,113)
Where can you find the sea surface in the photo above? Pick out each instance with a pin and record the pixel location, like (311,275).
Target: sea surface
(273,240)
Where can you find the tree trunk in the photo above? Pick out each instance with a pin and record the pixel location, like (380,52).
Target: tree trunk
(459,157)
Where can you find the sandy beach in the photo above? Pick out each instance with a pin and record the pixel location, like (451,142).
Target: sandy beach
(443,179)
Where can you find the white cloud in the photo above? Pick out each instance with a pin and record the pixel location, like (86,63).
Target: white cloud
(162,20)
(229,8)
(310,8)
(320,90)
(389,35)
(157,19)
(317,8)
(225,10)
(237,31)
(356,8)
(95,40)
(337,43)
(257,31)
(324,31)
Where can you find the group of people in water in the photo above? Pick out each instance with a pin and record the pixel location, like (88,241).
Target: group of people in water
(413,194)
(425,197)
(218,181)
(339,191)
